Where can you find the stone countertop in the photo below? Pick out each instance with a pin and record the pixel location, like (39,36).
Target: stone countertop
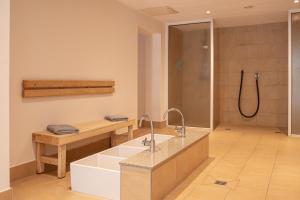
(164,151)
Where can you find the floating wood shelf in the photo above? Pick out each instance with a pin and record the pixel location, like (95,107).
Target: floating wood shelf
(48,88)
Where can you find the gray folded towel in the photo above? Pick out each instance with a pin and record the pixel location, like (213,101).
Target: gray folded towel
(116,118)
(62,129)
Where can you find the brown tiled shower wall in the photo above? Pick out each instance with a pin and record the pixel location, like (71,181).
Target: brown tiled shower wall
(189,76)
(262,49)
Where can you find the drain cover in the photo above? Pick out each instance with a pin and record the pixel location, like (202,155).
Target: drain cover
(227,129)
(277,131)
(217,182)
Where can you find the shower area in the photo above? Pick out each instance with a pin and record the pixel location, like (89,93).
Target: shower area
(207,65)
(189,73)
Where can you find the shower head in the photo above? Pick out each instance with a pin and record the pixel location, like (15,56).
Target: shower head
(205,46)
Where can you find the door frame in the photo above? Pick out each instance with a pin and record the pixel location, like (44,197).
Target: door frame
(290,12)
(166,74)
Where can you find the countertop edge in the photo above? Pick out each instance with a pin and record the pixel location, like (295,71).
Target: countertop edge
(124,163)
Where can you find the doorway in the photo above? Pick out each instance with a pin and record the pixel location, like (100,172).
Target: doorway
(190,73)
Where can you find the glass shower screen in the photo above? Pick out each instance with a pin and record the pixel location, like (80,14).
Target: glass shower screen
(189,73)
(295,73)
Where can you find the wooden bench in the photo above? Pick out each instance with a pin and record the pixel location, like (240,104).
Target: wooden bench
(103,129)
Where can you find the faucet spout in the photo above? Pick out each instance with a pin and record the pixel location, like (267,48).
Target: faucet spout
(152,141)
(181,131)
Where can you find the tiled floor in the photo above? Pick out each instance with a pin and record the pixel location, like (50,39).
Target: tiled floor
(256,163)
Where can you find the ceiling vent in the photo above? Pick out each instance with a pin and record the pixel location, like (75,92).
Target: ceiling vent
(159,11)
(249,7)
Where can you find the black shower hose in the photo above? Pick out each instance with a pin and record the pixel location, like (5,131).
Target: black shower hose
(240,94)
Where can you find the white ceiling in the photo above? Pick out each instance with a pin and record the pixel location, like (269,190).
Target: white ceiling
(224,12)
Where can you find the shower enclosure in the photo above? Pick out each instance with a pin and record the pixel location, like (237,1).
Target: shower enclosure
(190,73)
(294,72)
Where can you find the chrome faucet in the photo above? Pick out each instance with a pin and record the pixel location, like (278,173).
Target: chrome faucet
(150,143)
(180,130)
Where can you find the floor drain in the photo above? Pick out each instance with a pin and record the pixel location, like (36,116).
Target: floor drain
(227,129)
(277,131)
(217,182)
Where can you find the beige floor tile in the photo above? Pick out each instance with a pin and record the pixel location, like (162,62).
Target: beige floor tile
(225,172)
(283,193)
(259,166)
(245,193)
(285,170)
(254,180)
(209,192)
(235,160)
(285,182)
(46,187)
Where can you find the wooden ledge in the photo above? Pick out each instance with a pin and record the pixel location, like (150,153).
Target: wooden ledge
(48,88)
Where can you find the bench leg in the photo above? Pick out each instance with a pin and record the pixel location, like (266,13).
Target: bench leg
(61,165)
(40,167)
(130,132)
(113,141)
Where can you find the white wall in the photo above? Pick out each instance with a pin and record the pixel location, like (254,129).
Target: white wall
(141,74)
(67,39)
(156,78)
(149,76)
(4,95)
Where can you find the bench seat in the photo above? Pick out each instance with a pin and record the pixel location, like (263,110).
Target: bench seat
(101,128)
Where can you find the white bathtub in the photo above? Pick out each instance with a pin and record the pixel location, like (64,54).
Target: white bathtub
(96,175)
(123,151)
(99,174)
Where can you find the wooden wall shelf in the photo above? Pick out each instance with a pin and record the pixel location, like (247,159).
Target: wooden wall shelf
(48,88)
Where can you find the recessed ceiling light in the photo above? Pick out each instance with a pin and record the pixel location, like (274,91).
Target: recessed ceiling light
(296,1)
(208,12)
(248,7)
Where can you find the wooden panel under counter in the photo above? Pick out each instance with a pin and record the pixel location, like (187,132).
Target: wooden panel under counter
(155,179)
